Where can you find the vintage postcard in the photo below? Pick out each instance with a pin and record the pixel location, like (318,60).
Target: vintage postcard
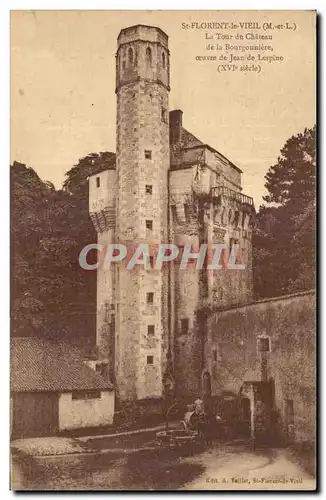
(163,205)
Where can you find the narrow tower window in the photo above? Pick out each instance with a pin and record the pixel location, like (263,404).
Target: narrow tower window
(164,115)
(149,224)
(150,297)
(98,182)
(263,344)
(184,326)
(149,56)
(130,56)
(150,330)
(148,154)
(149,189)
(150,360)
(163,60)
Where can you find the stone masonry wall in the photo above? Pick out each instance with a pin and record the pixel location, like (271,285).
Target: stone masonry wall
(142,166)
(289,321)
(202,222)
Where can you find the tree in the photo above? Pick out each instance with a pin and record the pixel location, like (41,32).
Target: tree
(283,244)
(76,181)
(79,224)
(304,244)
(28,195)
(51,295)
(44,258)
(292,180)
(42,255)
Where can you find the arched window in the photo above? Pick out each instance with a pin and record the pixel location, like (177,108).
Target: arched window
(163,60)
(148,55)
(130,56)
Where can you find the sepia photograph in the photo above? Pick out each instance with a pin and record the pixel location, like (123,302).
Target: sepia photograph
(163,250)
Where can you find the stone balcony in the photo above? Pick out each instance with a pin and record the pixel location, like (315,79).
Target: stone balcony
(223,191)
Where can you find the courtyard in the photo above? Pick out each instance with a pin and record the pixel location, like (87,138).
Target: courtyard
(135,463)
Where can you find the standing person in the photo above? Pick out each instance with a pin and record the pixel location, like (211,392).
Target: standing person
(202,422)
(210,422)
(197,417)
(199,406)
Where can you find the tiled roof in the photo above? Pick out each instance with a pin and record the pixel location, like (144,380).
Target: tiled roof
(188,141)
(43,365)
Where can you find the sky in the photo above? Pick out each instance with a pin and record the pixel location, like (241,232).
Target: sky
(63,103)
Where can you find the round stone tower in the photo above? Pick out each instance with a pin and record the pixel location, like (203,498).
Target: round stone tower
(142,162)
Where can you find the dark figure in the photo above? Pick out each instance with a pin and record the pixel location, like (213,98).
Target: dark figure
(203,423)
(209,428)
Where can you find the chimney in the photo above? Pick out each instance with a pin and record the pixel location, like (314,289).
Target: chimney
(175,125)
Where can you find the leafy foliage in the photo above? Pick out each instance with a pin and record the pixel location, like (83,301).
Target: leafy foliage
(76,181)
(291,181)
(284,242)
(51,295)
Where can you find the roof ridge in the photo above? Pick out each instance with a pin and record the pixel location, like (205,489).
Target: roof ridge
(192,135)
(45,365)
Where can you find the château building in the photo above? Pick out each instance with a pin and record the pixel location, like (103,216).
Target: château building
(165,186)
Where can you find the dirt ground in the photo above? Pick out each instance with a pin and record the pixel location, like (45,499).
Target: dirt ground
(223,467)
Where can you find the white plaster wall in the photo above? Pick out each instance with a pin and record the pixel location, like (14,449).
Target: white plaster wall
(231,175)
(91,363)
(180,183)
(78,413)
(103,196)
